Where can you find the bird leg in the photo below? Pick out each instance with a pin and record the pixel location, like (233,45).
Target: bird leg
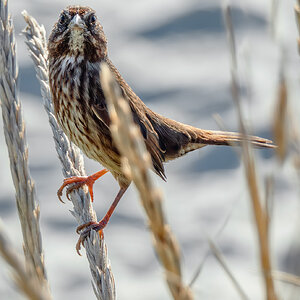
(79,182)
(98,226)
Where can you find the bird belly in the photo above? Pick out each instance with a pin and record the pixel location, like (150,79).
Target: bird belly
(72,87)
(86,134)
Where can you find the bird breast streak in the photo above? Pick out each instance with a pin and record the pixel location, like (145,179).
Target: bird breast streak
(71,88)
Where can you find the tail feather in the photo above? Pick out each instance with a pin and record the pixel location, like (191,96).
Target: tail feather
(211,137)
(177,139)
(200,138)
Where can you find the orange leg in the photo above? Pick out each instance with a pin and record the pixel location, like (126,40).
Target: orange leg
(97,226)
(79,182)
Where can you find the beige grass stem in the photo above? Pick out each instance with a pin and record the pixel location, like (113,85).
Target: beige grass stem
(136,164)
(14,131)
(72,165)
(294,130)
(29,285)
(219,256)
(280,120)
(260,214)
(286,278)
(208,252)
(297,12)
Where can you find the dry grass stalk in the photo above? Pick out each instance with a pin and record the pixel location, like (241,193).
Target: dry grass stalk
(136,162)
(295,133)
(294,141)
(294,130)
(286,277)
(73,165)
(14,131)
(297,11)
(29,285)
(260,214)
(274,16)
(279,127)
(208,252)
(218,254)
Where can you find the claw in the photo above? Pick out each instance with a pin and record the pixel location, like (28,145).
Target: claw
(79,182)
(78,245)
(59,194)
(68,181)
(79,228)
(74,187)
(97,226)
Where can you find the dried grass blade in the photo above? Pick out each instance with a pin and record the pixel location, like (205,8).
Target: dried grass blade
(261,217)
(136,164)
(15,136)
(280,120)
(73,165)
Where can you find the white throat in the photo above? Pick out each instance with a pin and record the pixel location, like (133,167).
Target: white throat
(76,42)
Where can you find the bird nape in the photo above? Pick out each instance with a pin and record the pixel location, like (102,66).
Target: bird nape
(77,46)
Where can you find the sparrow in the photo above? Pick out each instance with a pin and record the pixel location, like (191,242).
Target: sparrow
(77,46)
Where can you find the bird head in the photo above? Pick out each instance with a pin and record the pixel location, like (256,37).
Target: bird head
(78,32)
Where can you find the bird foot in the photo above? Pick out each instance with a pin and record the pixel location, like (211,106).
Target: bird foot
(86,229)
(78,182)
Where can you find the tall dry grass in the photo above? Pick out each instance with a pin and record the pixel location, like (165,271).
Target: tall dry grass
(30,285)
(72,165)
(259,211)
(15,137)
(136,163)
(297,13)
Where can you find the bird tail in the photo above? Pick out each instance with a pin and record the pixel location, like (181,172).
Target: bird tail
(177,139)
(211,137)
(199,138)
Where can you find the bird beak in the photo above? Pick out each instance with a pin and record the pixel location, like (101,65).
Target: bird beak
(77,22)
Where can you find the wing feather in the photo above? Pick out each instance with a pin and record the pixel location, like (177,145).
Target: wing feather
(140,118)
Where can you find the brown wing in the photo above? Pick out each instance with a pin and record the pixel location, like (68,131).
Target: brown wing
(140,118)
(101,113)
(151,139)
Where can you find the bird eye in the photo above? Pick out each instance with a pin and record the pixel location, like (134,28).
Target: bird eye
(62,19)
(93,19)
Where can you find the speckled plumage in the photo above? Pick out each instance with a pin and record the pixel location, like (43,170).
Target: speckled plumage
(77,46)
(75,55)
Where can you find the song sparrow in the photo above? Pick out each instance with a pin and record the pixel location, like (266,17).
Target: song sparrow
(77,46)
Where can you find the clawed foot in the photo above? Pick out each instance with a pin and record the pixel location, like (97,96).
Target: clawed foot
(85,232)
(79,181)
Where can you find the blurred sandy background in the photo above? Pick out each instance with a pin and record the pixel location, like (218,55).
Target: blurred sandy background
(174,54)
